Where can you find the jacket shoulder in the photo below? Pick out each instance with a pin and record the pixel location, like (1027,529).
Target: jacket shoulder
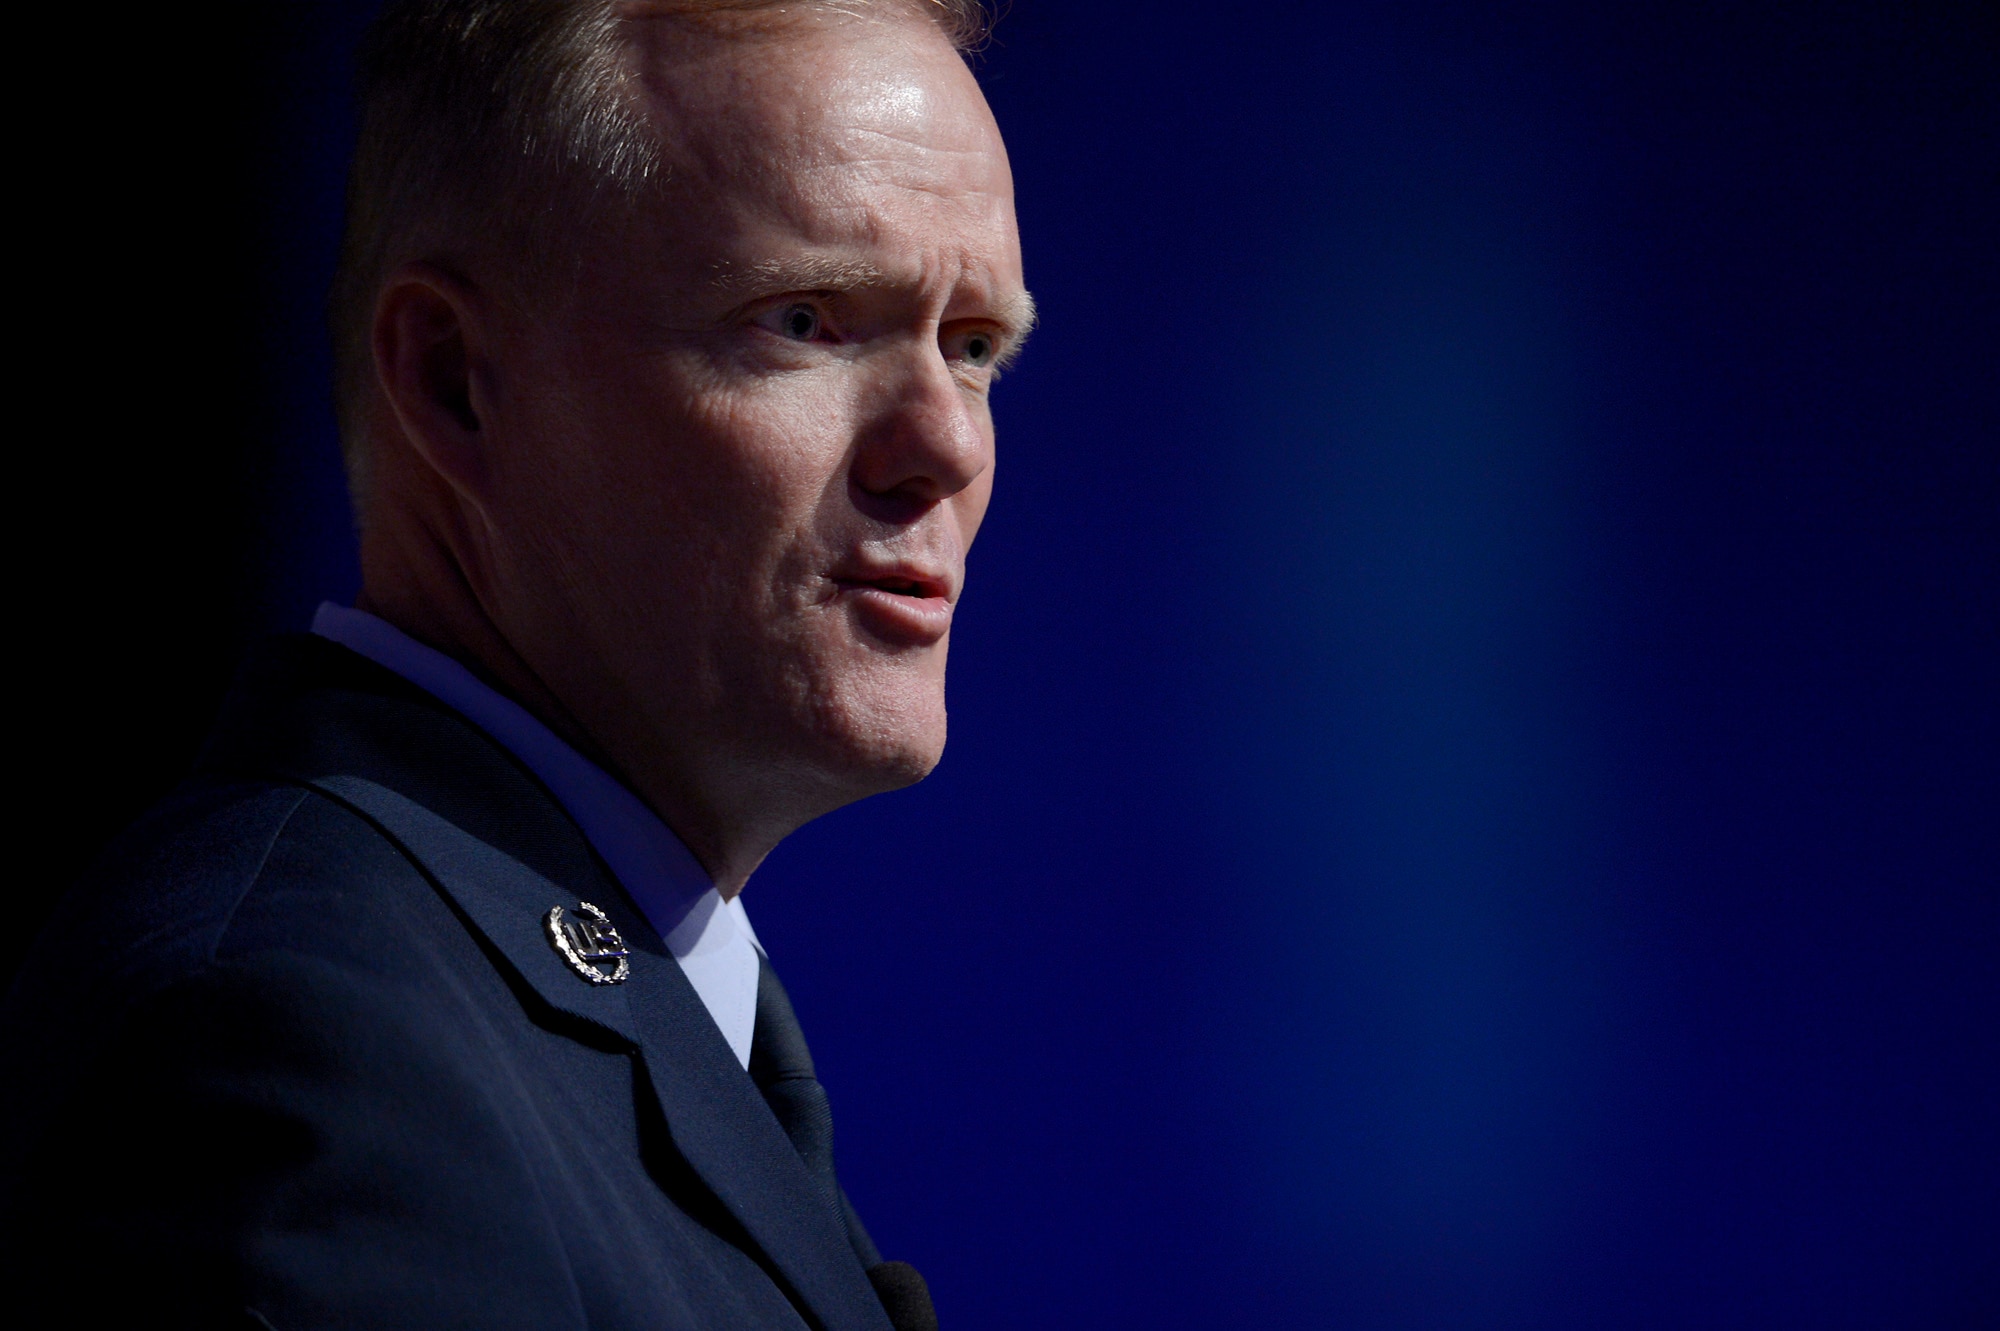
(217,870)
(158,900)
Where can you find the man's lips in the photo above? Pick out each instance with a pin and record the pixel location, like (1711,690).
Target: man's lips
(904,605)
(914,585)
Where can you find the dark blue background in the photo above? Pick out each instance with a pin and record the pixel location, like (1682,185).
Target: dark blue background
(1472,798)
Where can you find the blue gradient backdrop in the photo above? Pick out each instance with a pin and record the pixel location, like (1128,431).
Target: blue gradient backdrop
(1472,796)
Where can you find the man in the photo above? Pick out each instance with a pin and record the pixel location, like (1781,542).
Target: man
(666,336)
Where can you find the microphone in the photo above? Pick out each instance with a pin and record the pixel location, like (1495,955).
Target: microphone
(905,1296)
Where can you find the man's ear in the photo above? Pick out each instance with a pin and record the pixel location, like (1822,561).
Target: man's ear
(433,360)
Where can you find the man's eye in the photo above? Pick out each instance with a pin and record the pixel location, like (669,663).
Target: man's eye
(800,322)
(978,349)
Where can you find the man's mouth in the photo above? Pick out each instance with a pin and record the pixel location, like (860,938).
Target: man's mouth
(903,606)
(897,585)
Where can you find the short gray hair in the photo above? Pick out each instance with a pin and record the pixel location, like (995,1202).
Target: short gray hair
(501,123)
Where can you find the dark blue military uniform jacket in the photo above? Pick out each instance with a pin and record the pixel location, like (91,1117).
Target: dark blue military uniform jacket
(299,1053)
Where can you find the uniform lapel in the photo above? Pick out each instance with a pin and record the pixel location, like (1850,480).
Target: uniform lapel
(502,900)
(719,1122)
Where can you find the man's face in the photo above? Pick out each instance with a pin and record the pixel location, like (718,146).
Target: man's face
(735,483)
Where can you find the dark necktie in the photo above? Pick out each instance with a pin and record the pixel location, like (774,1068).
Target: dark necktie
(782,1067)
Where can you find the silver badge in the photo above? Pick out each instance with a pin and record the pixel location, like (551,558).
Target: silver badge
(587,939)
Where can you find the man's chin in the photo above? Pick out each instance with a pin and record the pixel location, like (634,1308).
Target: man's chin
(873,764)
(873,749)
(854,723)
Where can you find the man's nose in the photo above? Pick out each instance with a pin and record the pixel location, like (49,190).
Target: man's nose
(925,439)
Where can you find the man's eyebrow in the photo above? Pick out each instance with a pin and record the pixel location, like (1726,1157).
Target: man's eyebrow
(1018,313)
(771,277)
(808,273)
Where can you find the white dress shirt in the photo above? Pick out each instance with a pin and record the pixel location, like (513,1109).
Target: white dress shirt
(712,939)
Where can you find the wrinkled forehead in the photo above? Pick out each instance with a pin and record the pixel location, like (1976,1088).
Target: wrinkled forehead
(792,114)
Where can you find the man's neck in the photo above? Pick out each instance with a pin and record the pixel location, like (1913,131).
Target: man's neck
(441,609)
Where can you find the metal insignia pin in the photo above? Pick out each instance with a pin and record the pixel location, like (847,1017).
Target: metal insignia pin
(586,939)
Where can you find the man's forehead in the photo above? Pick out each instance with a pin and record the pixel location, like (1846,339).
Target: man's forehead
(771,102)
(845,156)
